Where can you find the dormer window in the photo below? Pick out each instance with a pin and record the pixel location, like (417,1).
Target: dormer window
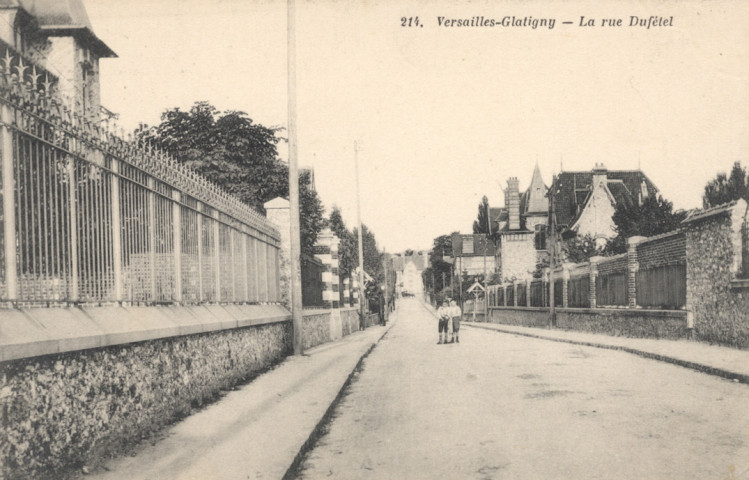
(468,245)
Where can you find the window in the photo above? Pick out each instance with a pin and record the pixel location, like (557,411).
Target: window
(540,238)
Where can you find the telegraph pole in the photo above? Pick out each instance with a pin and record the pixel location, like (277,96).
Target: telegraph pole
(361,242)
(295,241)
(552,254)
(386,296)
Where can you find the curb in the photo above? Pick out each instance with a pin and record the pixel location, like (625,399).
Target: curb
(293,471)
(718,372)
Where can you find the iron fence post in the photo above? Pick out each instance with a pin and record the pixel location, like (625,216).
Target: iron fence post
(9,212)
(177,240)
(116,231)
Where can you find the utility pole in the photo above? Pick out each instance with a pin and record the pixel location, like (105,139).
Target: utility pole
(486,244)
(552,253)
(361,242)
(294,233)
(387,294)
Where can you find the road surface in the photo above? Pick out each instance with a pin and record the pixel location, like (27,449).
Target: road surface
(503,406)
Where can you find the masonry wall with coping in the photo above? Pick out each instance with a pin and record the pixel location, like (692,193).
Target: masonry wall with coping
(78,383)
(60,411)
(709,248)
(717,298)
(617,322)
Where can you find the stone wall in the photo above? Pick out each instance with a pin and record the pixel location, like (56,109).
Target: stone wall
(716,297)
(316,328)
(626,323)
(524,317)
(349,320)
(60,411)
(617,322)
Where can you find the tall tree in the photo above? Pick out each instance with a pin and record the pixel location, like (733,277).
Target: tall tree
(239,155)
(723,189)
(348,246)
(481,224)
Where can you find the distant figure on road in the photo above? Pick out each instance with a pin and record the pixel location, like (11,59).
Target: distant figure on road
(455,313)
(443,313)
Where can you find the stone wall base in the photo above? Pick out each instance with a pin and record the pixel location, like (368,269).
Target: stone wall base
(618,322)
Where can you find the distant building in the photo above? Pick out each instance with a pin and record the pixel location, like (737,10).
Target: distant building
(56,39)
(408,271)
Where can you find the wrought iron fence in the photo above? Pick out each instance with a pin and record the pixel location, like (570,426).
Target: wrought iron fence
(90,217)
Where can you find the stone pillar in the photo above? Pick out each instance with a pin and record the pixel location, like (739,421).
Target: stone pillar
(278,212)
(515,293)
(594,261)
(326,250)
(528,293)
(547,290)
(633,266)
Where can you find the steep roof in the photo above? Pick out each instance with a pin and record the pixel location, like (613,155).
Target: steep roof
(535,200)
(67,17)
(572,189)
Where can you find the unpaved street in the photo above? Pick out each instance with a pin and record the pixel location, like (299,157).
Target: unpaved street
(502,406)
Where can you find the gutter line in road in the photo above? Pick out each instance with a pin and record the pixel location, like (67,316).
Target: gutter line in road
(719,372)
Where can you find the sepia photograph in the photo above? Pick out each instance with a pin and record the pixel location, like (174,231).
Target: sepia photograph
(378,239)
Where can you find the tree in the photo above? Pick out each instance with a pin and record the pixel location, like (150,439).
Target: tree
(441,248)
(237,154)
(482,222)
(654,217)
(579,249)
(724,189)
(348,246)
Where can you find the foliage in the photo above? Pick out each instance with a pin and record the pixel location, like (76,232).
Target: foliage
(239,155)
(348,247)
(579,249)
(481,224)
(372,256)
(441,247)
(723,189)
(654,217)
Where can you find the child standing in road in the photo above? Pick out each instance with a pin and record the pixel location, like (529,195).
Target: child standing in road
(456,314)
(443,314)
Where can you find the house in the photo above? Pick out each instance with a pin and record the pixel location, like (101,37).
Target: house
(585,201)
(408,270)
(474,254)
(58,49)
(521,228)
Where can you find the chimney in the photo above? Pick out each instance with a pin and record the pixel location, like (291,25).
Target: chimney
(513,203)
(599,175)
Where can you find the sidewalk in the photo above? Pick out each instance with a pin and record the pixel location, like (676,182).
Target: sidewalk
(258,430)
(725,362)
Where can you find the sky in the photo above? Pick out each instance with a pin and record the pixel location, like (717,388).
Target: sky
(444,115)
